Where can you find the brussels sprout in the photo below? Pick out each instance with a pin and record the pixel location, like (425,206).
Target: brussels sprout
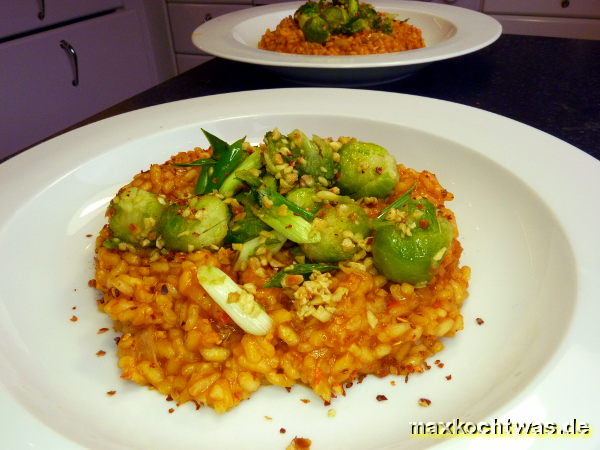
(335,16)
(356,25)
(366,170)
(135,216)
(198,223)
(316,29)
(409,250)
(309,157)
(305,12)
(303,197)
(341,227)
(250,226)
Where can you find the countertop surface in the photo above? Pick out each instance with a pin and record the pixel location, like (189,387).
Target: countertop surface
(551,84)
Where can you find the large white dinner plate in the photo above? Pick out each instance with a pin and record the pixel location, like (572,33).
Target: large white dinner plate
(448,32)
(527,212)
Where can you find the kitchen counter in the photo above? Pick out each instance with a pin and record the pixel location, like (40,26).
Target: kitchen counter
(551,84)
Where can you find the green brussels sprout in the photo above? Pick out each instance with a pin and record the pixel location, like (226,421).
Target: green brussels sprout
(366,170)
(135,217)
(341,227)
(191,225)
(316,29)
(356,25)
(305,12)
(303,197)
(310,157)
(249,227)
(410,250)
(335,16)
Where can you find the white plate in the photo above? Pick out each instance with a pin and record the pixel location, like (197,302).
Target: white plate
(528,223)
(448,31)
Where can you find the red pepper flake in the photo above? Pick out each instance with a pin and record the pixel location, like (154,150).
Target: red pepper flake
(288,388)
(111,393)
(88,235)
(337,175)
(479,321)
(305,400)
(441,365)
(100,353)
(326,403)
(92,283)
(169,398)
(448,377)
(215,180)
(381,398)
(424,402)
(282,430)
(102,331)
(131,226)
(406,378)
(73,318)
(171,410)
(379,170)
(288,226)
(73,308)
(423,223)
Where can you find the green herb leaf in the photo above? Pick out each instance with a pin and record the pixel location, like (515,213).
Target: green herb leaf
(298,269)
(198,162)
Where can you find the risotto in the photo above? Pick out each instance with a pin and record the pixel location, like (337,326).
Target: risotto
(329,29)
(237,266)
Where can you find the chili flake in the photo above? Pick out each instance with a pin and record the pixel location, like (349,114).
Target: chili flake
(479,321)
(381,398)
(424,402)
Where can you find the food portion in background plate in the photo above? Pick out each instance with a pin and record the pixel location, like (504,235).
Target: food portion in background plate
(341,27)
(314,261)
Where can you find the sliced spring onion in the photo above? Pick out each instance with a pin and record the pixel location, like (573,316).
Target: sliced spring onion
(397,203)
(249,248)
(293,227)
(298,269)
(244,311)
(232,183)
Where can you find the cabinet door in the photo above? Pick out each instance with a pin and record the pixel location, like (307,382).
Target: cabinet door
(19,16)
(37,94)
(558,8)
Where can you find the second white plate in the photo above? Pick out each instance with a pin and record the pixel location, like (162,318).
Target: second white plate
(448,31)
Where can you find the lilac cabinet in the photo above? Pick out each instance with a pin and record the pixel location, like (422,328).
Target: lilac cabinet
(19,16)
(53,79)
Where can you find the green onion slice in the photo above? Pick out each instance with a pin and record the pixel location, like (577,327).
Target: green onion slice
(244,311)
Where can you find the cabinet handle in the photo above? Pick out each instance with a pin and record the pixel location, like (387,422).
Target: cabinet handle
(42,9)
(73,57)
(565,3)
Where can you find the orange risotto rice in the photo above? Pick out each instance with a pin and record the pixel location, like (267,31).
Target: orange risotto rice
(288,38)
(177,340)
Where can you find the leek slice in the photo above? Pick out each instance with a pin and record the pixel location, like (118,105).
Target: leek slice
(243,310)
